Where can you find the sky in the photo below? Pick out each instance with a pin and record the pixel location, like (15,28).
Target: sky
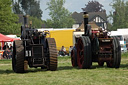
(74,5)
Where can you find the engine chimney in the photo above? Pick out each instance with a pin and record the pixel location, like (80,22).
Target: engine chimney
(25,20)
(85,15)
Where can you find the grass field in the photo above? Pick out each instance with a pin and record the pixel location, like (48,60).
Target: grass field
(66,74)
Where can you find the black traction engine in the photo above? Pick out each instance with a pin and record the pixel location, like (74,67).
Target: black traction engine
(35,50)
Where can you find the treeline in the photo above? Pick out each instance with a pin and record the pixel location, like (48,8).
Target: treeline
(8,20)
(31,8)
(60,17)
(119,16)
(9,9)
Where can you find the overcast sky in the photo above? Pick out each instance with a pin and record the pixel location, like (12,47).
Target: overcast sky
(74,5)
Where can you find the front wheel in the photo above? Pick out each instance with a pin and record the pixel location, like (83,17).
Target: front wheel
(18,57)
(52,54)
(116,54)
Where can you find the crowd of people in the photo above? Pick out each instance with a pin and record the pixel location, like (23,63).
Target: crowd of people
(63,52)
(7,54)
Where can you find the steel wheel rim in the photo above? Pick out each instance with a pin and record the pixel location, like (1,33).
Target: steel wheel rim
(80,53)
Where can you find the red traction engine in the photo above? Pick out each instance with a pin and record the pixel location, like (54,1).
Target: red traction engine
(95,46)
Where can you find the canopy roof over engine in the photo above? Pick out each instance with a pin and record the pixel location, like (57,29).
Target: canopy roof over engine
(93,27)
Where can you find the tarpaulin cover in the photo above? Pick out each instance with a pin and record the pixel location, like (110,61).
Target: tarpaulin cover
(4,38)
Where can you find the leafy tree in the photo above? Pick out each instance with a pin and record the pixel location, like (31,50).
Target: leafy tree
(7,18)
(120,15)
(16,7)
(28,7)
(49,23)
(36,23)
(93,6)
(60,16)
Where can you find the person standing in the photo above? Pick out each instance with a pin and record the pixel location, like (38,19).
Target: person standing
(5,46)
(10,47)
(70,49)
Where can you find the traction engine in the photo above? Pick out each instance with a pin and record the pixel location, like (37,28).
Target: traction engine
(35,50)
(95,46)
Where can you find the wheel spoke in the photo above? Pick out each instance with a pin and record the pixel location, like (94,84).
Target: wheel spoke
(82,59)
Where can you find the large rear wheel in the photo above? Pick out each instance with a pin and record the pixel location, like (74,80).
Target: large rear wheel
(52,54)
(18,56)
(84,57)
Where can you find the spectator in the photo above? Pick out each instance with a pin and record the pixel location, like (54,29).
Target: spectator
(6,54)
(70,49)
(10,51)
(62,51)
(10,48)
(5,46)
(10,54)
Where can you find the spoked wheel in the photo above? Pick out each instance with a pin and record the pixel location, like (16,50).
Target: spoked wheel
(74,57)
(18,57)
(52,53)
(116,55)
(84,57)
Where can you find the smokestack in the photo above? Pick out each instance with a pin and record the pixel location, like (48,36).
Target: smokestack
(85,15)
(25,20)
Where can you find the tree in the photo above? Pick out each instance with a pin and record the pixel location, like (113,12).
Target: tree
(16,7)
(7,18)
(60,16)
(120,14)
(28,7)
(36,23)
(93,6)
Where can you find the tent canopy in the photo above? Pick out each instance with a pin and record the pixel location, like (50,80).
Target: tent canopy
(4,38)
(93,26)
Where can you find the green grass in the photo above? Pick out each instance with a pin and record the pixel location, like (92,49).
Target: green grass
(125,54)
(66,74)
